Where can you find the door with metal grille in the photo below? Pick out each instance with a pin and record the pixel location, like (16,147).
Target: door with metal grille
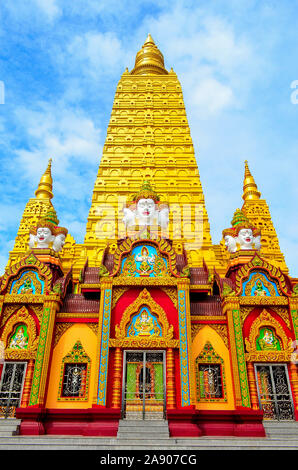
(274,391)
(11,387)
(143,395)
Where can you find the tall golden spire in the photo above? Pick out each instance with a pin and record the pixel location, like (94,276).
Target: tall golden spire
(250,189)
(149,60)
(45,187)
(148,140)
(36,208)
(258,213)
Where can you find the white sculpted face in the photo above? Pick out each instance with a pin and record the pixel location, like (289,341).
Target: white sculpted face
(44,237)
(59,242)
(145,211)
(245,239)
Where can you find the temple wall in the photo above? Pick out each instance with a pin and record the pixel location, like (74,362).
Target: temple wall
(204,335)
(88,339)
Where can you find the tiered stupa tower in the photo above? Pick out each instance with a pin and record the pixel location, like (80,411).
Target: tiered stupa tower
(148,138)
(35,208)
(257,211)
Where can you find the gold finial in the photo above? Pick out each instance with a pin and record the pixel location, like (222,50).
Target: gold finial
(149,40)
(149,60)
(250,189)
(44,190)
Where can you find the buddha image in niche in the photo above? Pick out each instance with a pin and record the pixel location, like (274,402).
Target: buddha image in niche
(19,340)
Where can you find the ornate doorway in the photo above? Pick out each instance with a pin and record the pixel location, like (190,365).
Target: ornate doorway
(274,391)
(143,392)
(11,388)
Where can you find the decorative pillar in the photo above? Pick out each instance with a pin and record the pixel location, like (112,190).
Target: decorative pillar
(185,342)
(252,386)
(103,340)
(27,384)
(232,307)
(40,374)
(2,346)
(171,396)
(116,395)
(294,383)
(293,305)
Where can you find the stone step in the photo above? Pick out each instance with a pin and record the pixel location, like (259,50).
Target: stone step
(191,444)
(141,422)
(9,427)
(287,429)
(145,429)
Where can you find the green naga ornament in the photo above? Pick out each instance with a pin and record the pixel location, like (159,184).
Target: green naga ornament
(227,290)
(103,272)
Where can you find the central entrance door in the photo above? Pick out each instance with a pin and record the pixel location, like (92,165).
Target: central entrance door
(274,391)
(143,395)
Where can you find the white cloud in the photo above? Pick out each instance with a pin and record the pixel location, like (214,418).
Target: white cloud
(95,53)
(211,97)
(49,7)
(66,135)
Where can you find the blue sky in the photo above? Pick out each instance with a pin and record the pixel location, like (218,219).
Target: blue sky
(60,62)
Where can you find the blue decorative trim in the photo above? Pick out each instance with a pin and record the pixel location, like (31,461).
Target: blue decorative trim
(104,348)
(184,359)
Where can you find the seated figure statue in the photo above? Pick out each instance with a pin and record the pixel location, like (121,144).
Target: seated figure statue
(146,209)
(47,234)
(242,235)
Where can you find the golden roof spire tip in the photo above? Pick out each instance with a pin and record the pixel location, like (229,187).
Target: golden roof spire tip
(250,189)
(149,60)
(45,187)
(149,39)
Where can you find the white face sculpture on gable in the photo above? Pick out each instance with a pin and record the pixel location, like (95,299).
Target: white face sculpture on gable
(145,211)
(44,237)
(245,239)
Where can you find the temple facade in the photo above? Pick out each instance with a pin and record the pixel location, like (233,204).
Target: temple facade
(148,318)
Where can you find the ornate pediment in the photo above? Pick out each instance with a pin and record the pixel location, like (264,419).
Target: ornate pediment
(146,259)
(144,323)
(28,276)
(260,278)
(267,340)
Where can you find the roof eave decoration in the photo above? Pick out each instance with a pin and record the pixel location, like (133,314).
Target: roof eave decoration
(61,285)
(30,261)
(258,263)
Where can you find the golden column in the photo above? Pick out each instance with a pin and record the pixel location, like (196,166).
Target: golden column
(171,395)
(186,377)
(100,390)
(252,386)
(116,395)
(27,384)
(293,304)
(231,307)
(41,369)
